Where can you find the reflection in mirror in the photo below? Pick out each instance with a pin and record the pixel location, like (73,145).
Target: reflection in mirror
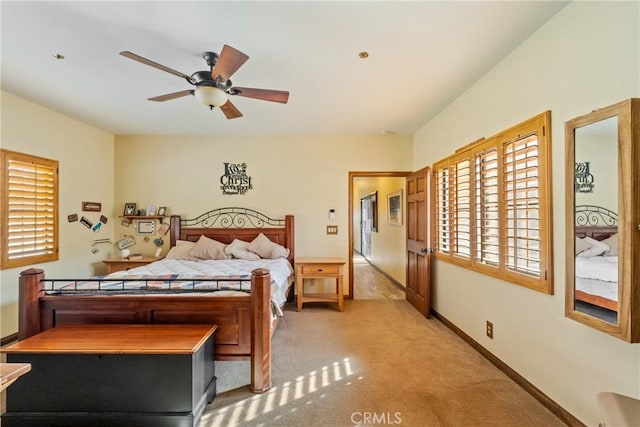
(596,219)
(603,220)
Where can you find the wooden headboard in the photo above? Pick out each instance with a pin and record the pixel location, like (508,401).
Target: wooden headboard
(227,224)
(595,222)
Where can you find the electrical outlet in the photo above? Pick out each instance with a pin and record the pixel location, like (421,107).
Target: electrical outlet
(489,329)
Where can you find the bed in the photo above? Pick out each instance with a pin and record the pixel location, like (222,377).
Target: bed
(240,304)
(596,262)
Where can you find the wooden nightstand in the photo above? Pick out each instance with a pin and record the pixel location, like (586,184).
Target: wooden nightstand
(319,268)
(120,264)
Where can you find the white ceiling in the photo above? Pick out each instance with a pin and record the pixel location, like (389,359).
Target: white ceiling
(422,55)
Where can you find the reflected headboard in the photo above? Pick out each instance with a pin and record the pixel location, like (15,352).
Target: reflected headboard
(595,222)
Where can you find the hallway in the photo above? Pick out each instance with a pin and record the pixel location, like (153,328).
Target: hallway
(370,283)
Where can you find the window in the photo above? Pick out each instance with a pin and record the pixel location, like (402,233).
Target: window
(493,205)
(29,208)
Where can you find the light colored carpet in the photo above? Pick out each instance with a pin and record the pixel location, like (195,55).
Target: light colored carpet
(376,363)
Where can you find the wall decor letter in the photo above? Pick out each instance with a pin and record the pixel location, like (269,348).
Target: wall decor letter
(235,179)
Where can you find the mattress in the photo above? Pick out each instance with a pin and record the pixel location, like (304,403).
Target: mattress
(598,276)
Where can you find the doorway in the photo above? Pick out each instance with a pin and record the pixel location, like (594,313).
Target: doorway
(369,233)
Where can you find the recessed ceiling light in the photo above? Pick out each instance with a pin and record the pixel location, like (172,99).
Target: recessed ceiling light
(363,55)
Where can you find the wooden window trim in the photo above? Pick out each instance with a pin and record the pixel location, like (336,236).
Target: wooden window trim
(51,211)
(542,279)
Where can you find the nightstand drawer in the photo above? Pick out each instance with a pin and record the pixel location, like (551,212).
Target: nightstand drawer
(320,268)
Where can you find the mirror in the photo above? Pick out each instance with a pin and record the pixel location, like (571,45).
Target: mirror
(602,220)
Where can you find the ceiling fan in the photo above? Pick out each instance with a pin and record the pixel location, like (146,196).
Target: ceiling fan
(213,87)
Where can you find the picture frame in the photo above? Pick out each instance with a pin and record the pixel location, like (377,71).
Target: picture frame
(151,210)
(91,206)
(126,242)
(394,208)
(129,209)
(162,211)
(146,227)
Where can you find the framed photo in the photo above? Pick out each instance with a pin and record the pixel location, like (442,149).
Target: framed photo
(129,209)
(394,208)
(146,227)
(162,210)
(151,210)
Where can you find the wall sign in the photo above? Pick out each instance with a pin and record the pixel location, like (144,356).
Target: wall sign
(235,179)
(584,178)
(91,206)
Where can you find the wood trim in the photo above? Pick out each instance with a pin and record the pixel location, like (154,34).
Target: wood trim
(352,175)
(8,339)
(535,392)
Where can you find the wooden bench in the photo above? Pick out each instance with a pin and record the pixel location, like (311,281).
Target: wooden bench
(143,375)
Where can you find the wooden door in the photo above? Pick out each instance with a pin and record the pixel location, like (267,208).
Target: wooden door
(419,240)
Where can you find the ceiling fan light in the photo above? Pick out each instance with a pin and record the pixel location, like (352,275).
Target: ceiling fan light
(211,96)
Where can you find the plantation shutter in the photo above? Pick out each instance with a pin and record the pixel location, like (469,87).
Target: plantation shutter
(30,210)
(462,208)
(487,207)
(522,205)
(443,219)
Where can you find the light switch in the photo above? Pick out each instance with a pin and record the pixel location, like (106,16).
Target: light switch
(332,229)
(332,214)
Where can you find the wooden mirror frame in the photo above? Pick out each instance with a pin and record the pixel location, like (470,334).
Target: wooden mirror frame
(628,325)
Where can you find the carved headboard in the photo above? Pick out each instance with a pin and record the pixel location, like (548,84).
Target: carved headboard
(227,224)
(595,222)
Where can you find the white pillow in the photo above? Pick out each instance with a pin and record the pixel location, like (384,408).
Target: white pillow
(238,249)
(264,247)
(581,245)
(612,242)
(181,250)
(595,248)
(207,248)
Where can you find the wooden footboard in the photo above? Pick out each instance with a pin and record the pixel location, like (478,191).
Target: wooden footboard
(244,322)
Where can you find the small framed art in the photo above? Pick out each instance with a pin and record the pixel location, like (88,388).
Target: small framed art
(129,209)
(394,208)
(146,227)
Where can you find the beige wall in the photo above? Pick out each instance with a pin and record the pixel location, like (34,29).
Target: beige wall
(301,175)
(602,155)
(85,156)
(586,57)
(389,243)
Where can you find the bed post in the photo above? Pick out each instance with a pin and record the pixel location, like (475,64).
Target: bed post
(175,229)
(260,330)
(290,236)
(30,288)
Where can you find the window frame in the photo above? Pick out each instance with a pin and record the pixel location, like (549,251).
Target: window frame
(51,210)
(536,236)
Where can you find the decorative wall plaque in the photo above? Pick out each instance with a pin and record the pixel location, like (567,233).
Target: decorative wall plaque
(235,179)
(91,206)
(583,178)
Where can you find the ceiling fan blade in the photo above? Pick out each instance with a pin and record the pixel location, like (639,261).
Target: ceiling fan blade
(230,111)
(229,61)
(281,96)
(146,61)
(170,96)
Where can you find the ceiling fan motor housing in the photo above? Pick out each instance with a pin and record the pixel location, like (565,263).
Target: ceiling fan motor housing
(211,58)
